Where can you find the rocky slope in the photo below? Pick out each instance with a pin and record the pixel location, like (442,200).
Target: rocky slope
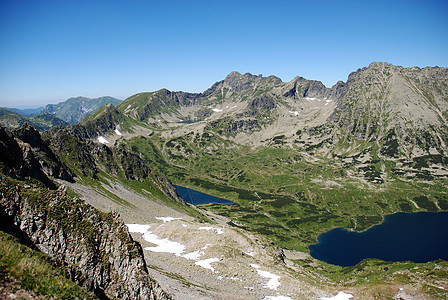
(394,113)
(296,157)
(96,248)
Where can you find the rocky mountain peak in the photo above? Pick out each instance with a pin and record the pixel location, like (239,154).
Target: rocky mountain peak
(240,83)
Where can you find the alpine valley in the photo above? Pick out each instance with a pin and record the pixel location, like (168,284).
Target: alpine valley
(296,158)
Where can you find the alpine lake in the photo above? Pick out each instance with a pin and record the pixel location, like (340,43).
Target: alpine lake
(418,237)
(197,198)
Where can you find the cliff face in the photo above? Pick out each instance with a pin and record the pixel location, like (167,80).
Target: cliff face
(18,160)
(95,247)
(89,158)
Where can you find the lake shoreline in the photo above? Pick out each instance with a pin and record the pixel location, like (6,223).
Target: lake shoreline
(403,237)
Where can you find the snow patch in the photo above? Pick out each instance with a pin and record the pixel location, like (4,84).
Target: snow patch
(167,246)
(195,255)
(206,246)
(138,228)
(217,110)
(102,140)
(163,245)
(273,282)
(250,253)
(339,296)
(296,113)
(167,219)
(206,263)
(218,230)
(312,99)
(117,131)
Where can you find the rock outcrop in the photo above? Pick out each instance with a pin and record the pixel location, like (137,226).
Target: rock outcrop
(18,160)
(90,158)
(49,163)
(96,247)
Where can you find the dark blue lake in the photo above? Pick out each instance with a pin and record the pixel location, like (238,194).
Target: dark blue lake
(197,198)
(418,237)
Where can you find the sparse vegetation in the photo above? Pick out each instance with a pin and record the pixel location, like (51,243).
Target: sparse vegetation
(36,272)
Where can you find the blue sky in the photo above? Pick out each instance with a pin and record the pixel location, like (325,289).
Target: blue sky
(53,50)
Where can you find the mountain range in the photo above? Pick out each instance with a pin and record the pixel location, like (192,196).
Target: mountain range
(69,111)
(74,109)
(296,158)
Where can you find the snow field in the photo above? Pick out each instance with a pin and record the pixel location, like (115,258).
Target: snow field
(102,140)
(339,296)
(273,282)
(167,246)
(218,230)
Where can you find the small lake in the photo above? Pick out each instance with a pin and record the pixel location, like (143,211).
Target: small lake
(197,198)
(417,237)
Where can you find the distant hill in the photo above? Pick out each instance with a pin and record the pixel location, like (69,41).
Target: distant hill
(42,121)
(25,112)
(75,109)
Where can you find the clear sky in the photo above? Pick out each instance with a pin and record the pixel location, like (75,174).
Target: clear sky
(53,50)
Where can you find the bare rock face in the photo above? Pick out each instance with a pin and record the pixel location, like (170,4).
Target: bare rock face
(18,159)
(89,158)
(49,162)
(96,247)
(396,105)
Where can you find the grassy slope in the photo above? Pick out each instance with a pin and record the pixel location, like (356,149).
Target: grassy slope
(35,272)
(282,195)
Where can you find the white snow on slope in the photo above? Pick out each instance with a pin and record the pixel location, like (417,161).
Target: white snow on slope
(206,263)
(138,228)
(117,131)
(195,255)
(163,245)
(167,219)
(296,113)
(102,140)
(218,230)
(273,282)
(311,99)
(339,296)
(217,110)
(167,246)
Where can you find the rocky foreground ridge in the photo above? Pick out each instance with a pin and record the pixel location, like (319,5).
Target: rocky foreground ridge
(95,247)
